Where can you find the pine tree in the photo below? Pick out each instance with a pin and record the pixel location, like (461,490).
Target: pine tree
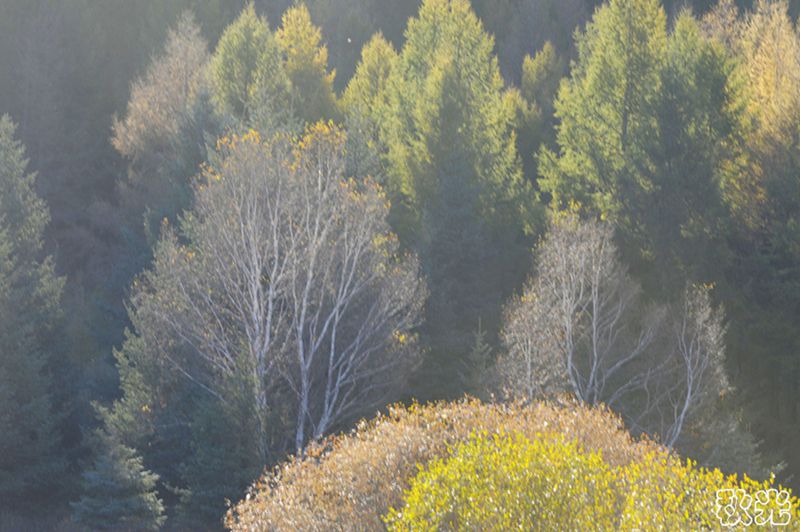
(222,464)
(535,120)
(455,180)
(306,60)
(248,77)
(118,491)
(31,463)
(365,106)
(478,361)
(650,126)
(606,112)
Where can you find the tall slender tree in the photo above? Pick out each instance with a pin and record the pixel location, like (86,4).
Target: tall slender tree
(455,180)
(365,104)
(535,119)
(306,60)
(283,310)
(763,280)
(32,463)
(163,133)
(248,77)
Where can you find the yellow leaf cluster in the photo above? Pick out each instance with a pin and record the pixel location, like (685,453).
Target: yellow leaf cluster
(349,482)
(510,482)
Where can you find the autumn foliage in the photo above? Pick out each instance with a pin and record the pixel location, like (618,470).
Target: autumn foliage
(476,466)
(508,482)
(351,481)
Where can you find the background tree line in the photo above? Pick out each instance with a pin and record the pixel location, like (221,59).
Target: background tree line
(245,226)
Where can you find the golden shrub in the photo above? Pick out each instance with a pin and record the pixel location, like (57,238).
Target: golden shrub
(350,481)
(507,482)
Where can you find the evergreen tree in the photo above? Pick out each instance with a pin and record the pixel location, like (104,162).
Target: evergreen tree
(365,106)
(763,279)
(118,492)
(606,112)
(455,180)
(650,126)
(535,120)
(221,464)
(164,133)
(697,157)
(32,463)
(248,77)
(522,27)
(306,60)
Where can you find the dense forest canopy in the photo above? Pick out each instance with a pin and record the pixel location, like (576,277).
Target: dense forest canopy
(230,229)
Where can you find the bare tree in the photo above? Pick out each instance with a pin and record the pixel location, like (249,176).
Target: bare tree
(587,310)
(533,366)
(695,338)
(581,325)
(289,280)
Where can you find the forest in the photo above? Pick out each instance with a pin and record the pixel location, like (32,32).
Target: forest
(259,257)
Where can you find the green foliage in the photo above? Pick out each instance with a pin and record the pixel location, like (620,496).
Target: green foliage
(650,127)
(535,120)
(32,461)
(23,212)
(365,104)
(223,461)
(541,76)
(118,492)
(681,132)
(763,280)
(605,109)
(455,180)
(207,403)
(248,76)
(477,363)
(164,132)
(507,482)
(523,27)
(306,61)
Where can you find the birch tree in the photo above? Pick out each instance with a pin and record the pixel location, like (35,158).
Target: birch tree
(581,326)
(284,285)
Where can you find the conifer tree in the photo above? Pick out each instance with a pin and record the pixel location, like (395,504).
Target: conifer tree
(606,111)
(763,281)
(455,179)
(649,126)
(118,491)
(248,76)
(163,134)
(365,105)
(31,463)
(306,60)
(534,101)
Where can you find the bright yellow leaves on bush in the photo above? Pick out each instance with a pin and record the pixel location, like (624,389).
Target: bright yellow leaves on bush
(505,481)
